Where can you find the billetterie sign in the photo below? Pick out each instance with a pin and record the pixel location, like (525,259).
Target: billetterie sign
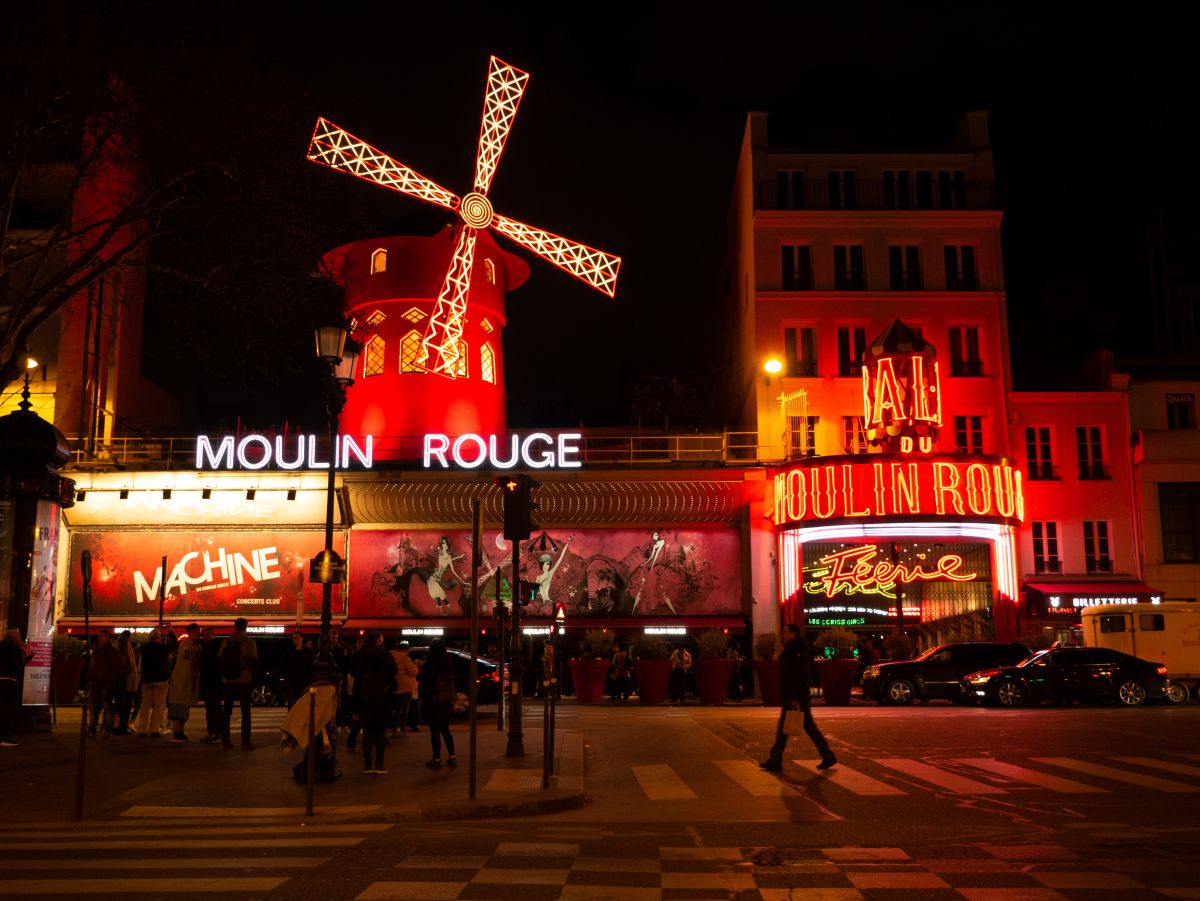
(879,486)
(255,451)
(537,450)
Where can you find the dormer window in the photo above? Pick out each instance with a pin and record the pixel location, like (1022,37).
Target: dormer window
(379,261)
(489,271)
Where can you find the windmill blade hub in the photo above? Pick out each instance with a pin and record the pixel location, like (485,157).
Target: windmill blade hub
(476,210)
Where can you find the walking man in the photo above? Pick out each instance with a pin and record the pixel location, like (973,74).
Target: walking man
(238,656)
(210,686)
(795,694)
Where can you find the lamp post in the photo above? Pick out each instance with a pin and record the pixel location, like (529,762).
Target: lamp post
(771,366)
(341,358)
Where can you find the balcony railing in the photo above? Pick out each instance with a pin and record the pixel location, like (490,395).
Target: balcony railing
(1042,472)
(1099,565)
(1094,472)
(871,195)
(966,367)
(1046,565)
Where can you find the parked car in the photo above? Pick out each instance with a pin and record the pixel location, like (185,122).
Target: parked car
(488,673)
(1062,675)
(1164,633)
(937,672)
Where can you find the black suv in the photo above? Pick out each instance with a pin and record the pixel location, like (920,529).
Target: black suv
(938,672)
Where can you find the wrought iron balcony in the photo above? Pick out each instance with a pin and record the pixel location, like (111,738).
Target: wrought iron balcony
(866,194)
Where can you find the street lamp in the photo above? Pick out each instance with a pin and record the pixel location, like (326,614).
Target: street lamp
(771,366)
(340,355)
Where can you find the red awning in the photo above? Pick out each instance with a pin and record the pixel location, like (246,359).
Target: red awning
(1097,588)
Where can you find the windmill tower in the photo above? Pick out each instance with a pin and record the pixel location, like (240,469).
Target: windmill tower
(439,391)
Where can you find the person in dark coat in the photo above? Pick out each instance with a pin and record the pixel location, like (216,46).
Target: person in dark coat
(104,677)
(436,689)
(13,657)
(374,684)
(297,668)
(795,694)
(210,686)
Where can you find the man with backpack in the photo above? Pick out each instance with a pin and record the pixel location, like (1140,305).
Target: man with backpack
(238,657)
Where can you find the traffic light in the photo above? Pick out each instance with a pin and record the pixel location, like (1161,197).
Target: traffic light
(518,505)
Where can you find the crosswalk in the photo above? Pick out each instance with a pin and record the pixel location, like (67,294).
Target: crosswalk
(881,777)
(143,857)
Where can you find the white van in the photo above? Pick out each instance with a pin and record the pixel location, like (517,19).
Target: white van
(1167,633)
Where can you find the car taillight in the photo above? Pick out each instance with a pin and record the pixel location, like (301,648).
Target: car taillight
(1161,670)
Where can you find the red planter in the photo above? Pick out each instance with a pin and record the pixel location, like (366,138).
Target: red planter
(767,673)
(652,677)
(712,679)
(837,678)
(65,674)
(589,676)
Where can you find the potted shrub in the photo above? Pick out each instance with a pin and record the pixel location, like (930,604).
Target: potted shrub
(766,668)
(590,669)
(651,667)
(712,666)
(66,667)
(898,645)
(836,666)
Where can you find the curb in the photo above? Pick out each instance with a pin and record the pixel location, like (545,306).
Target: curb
(509,805)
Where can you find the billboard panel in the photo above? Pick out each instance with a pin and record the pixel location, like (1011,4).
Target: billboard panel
(224,574)
(594,572)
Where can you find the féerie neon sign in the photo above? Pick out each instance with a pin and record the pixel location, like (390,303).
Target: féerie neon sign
(856,571)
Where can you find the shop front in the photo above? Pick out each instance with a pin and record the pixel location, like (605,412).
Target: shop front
(1053,606)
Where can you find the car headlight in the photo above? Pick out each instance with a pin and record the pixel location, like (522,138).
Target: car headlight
(871,672)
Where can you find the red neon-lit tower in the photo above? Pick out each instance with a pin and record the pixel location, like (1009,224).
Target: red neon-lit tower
(444,327)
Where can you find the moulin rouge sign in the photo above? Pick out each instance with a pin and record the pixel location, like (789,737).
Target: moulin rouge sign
(886,486)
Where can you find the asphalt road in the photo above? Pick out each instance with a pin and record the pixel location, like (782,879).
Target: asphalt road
(928,802)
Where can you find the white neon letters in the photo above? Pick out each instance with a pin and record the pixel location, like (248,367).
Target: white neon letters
(537,450)
(261,452)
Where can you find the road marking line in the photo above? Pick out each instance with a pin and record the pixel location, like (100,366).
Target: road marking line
(164,863)
(507,876)
(172,885)
(1171,767)
(535,849)
(412,891)
(960,785)
(851,780)
(754,780)
(230,829)
(236,812)
(661,783)
(1108,772)
(1021,774)
(185,843)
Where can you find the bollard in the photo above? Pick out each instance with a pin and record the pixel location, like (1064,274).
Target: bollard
(312,750)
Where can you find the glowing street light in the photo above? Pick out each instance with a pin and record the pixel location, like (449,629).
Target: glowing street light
(773,366)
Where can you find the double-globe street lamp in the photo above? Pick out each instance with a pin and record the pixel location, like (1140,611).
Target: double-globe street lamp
(339,353)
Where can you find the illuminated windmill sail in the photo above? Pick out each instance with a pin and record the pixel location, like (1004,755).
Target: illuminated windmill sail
(339,149)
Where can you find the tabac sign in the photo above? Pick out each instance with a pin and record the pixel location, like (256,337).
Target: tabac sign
(887,486)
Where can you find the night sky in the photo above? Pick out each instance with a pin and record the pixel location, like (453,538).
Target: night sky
(627,138)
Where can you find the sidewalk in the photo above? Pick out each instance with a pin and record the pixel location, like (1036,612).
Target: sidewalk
(135,778)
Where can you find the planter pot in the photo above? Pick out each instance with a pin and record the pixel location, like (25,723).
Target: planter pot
(652,677)
(589,676)
(837,678)
(65,674)
(712,679)
(767,673)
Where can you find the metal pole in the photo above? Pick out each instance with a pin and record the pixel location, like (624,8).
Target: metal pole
(162,592)
(477,533)
(323,667)
(498,608)
(86,564)
(547,733)
(311,758)
(516,738)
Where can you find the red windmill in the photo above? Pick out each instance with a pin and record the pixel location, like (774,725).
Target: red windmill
(440,345)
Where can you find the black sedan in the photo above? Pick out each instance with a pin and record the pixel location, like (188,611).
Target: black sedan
(1065,675)
(488,674)
(937,672)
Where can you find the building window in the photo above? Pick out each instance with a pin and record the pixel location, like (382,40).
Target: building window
(796,260)
(1179,506)
(373,356)
(1095,546)
(379,261)
(1089,441)
(849,270)
(1039,452)
(843,194)
(904,267)
(852,342)
(487,364)
(924,179)
(952,189)
(960,267)
(412,314)
(460,365)
(1181,411)
(968,434)
(485,325)
(854,439)
(897,189)
(376,317)
(802,435)
(789,189)
(800,352)
(964,351)
(410,352)
(1045,548)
